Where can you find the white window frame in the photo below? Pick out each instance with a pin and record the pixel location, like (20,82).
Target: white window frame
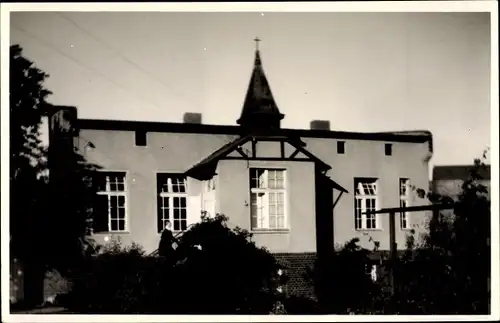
(110,193)
(170,195)
(362,199)
(263,222)
(404,201)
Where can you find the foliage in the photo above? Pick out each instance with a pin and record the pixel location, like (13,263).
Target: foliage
(447,270)
(48,223)
(217,270)
(27,154)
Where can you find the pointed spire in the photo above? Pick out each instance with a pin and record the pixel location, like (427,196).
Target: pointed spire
(259,109)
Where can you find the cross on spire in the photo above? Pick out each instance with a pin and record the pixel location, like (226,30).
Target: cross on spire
(257,40)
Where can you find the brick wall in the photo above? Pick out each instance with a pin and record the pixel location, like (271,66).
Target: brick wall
(296,266)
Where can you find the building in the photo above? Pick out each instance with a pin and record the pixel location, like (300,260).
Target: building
(299,191)
(447,180)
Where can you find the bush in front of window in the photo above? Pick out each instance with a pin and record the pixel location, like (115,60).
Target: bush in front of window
(217,270)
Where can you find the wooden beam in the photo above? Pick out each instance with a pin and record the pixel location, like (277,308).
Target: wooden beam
(431,207)
(393,250)
(254,147)
(267,158)
(295,153)
(337,199)
(241,152)
(282,148)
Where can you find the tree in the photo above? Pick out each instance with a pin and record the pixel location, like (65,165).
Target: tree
(39,237)
(447,270)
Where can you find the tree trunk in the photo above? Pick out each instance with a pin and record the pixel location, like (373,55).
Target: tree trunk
(34,276)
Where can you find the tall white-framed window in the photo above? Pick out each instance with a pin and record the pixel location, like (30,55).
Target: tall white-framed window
(365,199)
(172,201)
(404,201)
(110,210)
(267,199)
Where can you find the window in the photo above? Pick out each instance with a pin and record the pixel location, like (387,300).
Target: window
(140,138)
(110,208)
(365,199)
(404,201)
(267,196)
(340,147)
(172,201)
(388,149)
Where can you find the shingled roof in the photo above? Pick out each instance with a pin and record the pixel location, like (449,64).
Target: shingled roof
(259,108)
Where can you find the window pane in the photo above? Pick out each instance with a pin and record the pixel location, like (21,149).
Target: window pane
(121,225)
(183,225)
(120,187)
(113,187)
(114,225)
(176,202)
(281,209)
(183,201)
(183,214)
(165,202)
(281,222)
(113,212)
(177,214)
(121,213)
(272,222)
(253,198)
(165,213)
(253,221)
(177,226)
(121,201)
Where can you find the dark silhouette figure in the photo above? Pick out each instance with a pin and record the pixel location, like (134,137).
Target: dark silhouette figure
(165,248)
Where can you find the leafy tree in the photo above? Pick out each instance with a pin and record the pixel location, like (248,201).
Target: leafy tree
(41,236)
(447,270)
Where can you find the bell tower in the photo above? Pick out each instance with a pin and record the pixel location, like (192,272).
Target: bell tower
(260,111)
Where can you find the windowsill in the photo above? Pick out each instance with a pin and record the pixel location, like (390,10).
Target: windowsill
(406,229)
(270,231)
(361,230)
(111,233)
(173,232)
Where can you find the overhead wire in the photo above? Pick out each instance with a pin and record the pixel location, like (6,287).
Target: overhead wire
(126,59)
(46,44)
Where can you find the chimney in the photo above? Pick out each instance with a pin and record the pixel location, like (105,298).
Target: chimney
(63,138)
(320,125)
(190,117)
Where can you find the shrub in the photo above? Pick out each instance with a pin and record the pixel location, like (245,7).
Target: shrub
(218,271)
(341,282)
(118,280)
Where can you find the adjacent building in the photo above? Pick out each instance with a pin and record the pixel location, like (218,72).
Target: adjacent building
(448,179)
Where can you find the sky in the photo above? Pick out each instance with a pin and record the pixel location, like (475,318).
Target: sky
(364,72)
